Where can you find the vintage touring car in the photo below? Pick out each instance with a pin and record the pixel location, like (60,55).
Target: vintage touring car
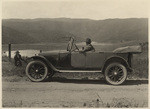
(114,65)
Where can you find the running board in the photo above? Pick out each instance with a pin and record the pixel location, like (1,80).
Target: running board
(93,71)
(90,71)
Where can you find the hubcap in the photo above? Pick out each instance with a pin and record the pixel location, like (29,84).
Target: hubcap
(115,73)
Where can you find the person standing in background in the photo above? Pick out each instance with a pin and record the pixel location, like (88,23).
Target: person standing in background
(18,59)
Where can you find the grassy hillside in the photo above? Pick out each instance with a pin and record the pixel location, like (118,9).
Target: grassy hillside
(55,30)
(14,36)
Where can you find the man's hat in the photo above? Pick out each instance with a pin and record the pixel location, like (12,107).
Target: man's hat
(88,40)
(17,51)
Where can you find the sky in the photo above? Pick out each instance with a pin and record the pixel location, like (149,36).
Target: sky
(90,9)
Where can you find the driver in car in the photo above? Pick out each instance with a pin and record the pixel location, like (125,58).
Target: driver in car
(88,47)
(70,46)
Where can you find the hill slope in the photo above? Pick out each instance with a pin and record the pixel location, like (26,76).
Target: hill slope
(54,30)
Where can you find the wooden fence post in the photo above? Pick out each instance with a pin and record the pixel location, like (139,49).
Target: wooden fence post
(9,50)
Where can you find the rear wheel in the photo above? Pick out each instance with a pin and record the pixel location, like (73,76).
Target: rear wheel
(37,71)
(115,73)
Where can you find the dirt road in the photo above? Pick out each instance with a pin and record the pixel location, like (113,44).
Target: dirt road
(75,93)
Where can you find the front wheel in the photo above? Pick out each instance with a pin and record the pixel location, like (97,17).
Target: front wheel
(115,73)
(37,71)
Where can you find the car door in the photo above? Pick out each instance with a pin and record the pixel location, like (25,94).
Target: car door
(94,59)
(87,60)
(78,60)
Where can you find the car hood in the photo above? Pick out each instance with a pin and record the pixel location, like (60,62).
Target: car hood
(53,52)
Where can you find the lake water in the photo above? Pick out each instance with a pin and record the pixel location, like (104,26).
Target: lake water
(26,53)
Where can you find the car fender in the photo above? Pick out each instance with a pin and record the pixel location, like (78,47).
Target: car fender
(116,59)
(47,62)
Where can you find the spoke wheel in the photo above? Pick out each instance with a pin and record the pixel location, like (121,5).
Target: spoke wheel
(115,74)
(36,71)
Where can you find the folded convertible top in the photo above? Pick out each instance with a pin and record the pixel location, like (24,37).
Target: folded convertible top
(128,49)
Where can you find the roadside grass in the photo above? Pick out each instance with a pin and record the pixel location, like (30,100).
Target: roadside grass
(140,66)
(114,103)
(126,102)
(12,73)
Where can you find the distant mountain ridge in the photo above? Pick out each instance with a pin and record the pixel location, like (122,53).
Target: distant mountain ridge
(47,30)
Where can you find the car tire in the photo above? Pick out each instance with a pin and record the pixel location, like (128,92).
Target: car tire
(115,73)
(37,71)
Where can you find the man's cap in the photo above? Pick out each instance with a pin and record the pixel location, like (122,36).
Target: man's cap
(88,40)
(17,51)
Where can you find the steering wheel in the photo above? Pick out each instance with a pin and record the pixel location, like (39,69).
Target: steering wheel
(76,48)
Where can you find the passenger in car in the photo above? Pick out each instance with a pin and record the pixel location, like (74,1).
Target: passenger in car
(89,46)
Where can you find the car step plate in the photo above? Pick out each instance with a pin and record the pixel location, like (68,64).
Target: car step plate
(93,71)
